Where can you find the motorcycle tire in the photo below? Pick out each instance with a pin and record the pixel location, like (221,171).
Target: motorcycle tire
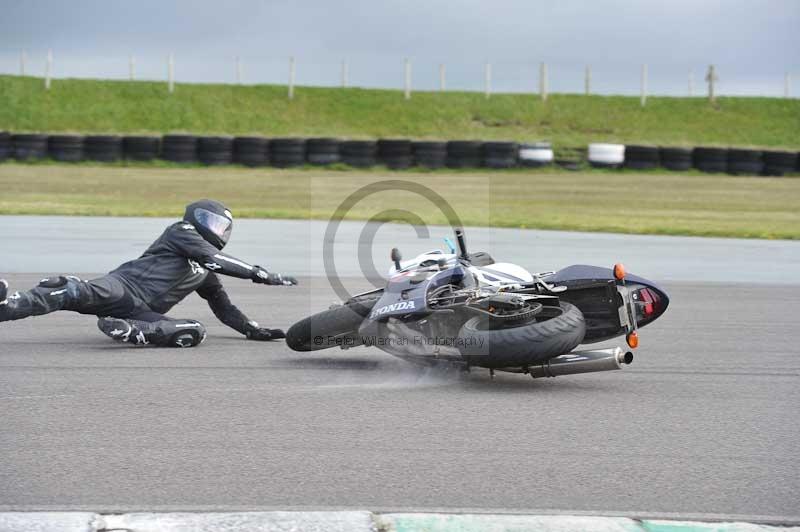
(522,345)
(334,327)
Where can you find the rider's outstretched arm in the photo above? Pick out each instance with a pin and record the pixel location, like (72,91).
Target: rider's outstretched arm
(188,242)
(214,293)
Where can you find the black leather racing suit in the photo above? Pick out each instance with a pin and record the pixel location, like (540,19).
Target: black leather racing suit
(178,263)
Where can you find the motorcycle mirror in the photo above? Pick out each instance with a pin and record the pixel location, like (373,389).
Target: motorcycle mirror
(396,258)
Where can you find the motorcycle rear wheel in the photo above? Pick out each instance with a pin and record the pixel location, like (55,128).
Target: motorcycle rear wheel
(556,331)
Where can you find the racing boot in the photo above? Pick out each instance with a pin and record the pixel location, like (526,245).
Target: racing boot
(3,291)
(164,333)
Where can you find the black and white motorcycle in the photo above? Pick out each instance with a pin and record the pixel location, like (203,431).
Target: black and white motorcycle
(465,308)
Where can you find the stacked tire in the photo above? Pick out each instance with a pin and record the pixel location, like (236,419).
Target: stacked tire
(641,157)
(464,154)
(65,148)
(676,159)
(571,159)
(179,148)
(104,148)
(778,163)
(251,151)
(395,154)
(711,160)
(323,151)
(214,151)
(430,154)
(139,148)
(359,153)
(535,155)
(602,155)
(288,152)
(745,162)
(500,154)
(6,149)
(29,146)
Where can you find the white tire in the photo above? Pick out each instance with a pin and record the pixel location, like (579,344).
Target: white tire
(606,154)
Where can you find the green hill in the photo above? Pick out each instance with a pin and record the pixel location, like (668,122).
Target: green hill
(93,106)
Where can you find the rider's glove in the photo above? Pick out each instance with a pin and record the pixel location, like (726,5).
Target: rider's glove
(261,334)
(262,276)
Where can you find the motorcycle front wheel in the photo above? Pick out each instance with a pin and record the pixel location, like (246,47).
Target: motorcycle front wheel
(335,327)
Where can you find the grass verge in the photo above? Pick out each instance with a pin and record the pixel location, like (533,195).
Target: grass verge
(624,202)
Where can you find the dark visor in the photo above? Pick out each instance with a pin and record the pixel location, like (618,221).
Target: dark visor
(215,223)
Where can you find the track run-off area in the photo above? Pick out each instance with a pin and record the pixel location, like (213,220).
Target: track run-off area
(702,424)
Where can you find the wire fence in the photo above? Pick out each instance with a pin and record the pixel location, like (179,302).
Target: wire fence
(406,74)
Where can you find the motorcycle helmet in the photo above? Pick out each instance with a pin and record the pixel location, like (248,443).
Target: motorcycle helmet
(212,220)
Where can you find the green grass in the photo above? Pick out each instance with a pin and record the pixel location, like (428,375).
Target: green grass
(567,120)
(626,202)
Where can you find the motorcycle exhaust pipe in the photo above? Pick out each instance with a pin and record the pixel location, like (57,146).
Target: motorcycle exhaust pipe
(583,362)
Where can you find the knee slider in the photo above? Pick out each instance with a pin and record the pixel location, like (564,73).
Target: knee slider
(185,333)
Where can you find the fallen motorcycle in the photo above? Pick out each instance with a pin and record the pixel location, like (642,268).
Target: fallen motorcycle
(465,308)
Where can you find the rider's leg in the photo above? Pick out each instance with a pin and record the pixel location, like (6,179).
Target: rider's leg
(151,328)
(50,295)
(100,296)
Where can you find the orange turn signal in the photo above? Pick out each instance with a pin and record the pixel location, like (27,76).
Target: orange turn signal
(619,271)
(633,339)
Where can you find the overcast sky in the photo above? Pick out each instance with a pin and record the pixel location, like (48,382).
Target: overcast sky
(753,43)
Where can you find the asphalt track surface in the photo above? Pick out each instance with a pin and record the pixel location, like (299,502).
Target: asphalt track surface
(703,423)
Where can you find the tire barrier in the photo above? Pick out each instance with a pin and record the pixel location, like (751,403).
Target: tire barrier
(745,162)
(287,152)
(359,153)
(251,151)
(430,154)
(678,159)
(137,148)
(179,148)
(641,157)
(6,148)
(396,154)
(65,148)
(323,151)
(105,148)
(777,163)
(602,155)
(500,154)
(464,154)
(214,151)
(29,146)
(536,154)
(711,160)
(571,159)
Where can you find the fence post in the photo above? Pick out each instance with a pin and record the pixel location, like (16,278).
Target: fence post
(588,81)
(171,73)
(787,85)
(344,74)
(48,69)
(691,82)
(543,81)
(441,77)
(644,84)
(131,67)
(238,70)
(22,59)
(291,78)
(408,79)
(711,77)
(488,80)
